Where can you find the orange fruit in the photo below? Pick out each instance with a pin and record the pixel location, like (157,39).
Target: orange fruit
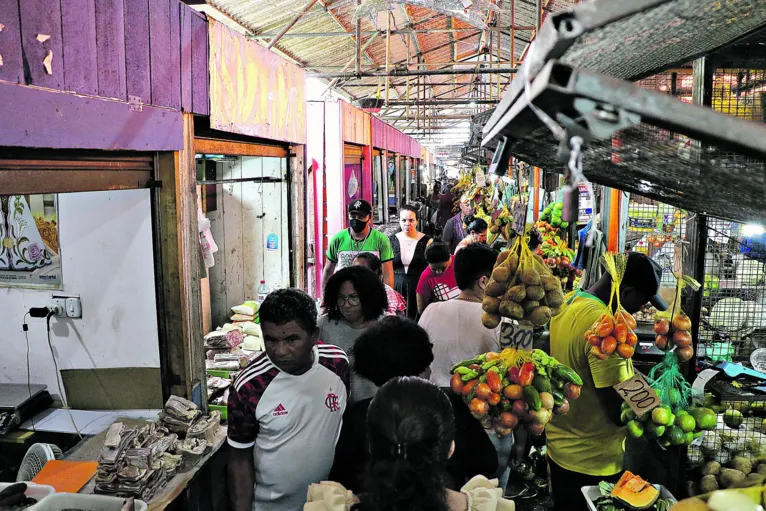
(620,332)
(625,350)
(627,318)
(608,345)
(605,328)
(597,353)
(631,339)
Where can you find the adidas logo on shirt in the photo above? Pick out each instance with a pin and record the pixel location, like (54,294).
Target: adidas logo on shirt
(280,410)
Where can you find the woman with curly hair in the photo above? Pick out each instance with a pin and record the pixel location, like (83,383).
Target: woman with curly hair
(411,428)
(354,298)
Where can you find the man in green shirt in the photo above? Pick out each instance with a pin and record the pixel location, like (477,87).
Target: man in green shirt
(359,238)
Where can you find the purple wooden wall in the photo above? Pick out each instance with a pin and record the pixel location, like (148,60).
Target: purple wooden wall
(387,137)
(153,50)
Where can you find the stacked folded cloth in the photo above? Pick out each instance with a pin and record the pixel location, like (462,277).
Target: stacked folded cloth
(179,414)
(248,311)
(137,462)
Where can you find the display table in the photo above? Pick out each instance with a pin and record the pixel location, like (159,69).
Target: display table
(194,486)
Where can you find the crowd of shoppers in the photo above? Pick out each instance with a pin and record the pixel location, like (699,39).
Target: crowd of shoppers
(359,394)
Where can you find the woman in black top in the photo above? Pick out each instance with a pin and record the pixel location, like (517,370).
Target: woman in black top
(392,347)
(409,247)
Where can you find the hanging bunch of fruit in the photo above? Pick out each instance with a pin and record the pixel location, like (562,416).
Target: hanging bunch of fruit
(513,387)
(552,215)
(669,427)
(521,288)
(557,254)
(613,333)
(673,326)
(500,226)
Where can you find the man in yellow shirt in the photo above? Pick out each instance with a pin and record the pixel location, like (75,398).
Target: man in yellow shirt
(587,445)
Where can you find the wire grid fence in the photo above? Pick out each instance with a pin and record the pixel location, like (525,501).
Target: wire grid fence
(733,322)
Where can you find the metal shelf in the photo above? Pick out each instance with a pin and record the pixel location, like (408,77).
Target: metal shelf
(686,156)
(632,39)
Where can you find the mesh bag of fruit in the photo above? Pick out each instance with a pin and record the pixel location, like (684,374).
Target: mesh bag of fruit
(504,390)
(673,326)
(672,388)
(613,332)
(522,288)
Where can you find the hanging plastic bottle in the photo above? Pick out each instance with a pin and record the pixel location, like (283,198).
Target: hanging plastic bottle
(263,290)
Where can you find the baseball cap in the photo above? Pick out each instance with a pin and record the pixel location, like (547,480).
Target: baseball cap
(644,274)
(360,206)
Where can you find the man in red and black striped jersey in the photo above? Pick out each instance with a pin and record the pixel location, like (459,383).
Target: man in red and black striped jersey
(285,408)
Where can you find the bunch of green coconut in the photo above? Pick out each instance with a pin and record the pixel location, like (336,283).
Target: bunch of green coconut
(740,472)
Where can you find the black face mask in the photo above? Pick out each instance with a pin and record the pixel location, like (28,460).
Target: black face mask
(357,225)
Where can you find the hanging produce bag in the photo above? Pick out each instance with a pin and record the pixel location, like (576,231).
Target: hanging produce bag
(613,333)
(522,287)
(513,387)
(673,326)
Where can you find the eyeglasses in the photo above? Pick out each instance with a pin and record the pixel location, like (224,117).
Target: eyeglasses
(352,300)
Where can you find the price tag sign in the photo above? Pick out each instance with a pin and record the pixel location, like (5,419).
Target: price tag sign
(513,335)
(480,179)
(678,258)
(519,217)
(638,394)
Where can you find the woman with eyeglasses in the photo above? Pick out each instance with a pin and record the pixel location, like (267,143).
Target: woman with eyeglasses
(409,247)
(437,283)
(354,299)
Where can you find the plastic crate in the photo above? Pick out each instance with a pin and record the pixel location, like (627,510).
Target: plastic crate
(34,491)
(592,493)
(83,502)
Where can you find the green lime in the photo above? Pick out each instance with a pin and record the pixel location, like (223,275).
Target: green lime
(627,416)
(705,417)
(681,412)
(675,435)
(671,420)
(652,430)
(674,396)
(559,206)
(686,423)
(688,437)
(732,418)
(564,225)
(661,415)
(697,434)
(635,429)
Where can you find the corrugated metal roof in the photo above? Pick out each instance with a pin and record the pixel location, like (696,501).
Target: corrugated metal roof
(436,49)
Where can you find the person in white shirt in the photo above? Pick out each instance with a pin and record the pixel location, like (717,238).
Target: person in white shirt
(456,330)
(455,326)
(285,409)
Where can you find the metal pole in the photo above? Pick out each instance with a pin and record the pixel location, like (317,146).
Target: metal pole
(291,23)
(409,42)
(358,41)
(489,58)
(499,37)
(464,101)
(404,73)
(388,52)
(513,35)
(350,62)
(393,32)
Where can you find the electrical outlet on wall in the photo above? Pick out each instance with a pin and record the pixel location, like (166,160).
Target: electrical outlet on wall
(67,306)
(73,308)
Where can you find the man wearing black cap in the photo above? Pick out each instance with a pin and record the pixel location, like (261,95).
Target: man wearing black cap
(360,237)
(587,445)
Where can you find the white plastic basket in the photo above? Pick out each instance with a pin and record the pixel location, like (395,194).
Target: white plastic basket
(84,502)
(34,491)
(592,493)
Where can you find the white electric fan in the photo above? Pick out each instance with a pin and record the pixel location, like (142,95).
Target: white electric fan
(36,458)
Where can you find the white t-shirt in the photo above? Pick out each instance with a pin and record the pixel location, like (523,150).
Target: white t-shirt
(291,422)
(456,331)
(407,246)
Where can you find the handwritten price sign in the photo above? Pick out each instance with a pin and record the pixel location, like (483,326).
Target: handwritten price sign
(519,217)
(638,394)
(513,335)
